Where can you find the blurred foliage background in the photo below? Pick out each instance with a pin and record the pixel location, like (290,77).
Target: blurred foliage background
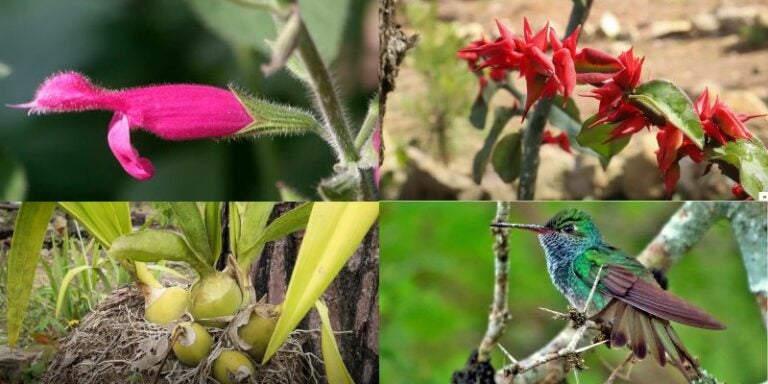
(436,286)
(127,43)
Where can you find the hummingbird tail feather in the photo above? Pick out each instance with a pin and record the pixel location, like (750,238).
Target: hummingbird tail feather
(646,334)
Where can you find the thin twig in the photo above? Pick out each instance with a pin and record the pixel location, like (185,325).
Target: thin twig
(592,292)
(615,372)
(499,315)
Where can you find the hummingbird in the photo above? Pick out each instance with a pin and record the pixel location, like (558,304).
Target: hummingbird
(626,297)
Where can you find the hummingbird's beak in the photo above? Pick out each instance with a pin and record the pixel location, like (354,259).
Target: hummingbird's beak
(530,227)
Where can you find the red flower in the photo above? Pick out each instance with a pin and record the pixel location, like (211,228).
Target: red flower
(544,75)
(615,107)
(673,146)
(720,122)
(561,140)
(738,192)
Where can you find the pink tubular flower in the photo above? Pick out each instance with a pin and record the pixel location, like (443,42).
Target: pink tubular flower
(172,112)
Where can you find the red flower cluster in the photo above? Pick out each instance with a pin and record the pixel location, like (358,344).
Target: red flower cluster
(721,125)
(544,75)
(615,80)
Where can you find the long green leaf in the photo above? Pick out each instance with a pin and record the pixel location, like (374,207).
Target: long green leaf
(28,235)
(292,221)
(65,284)
(667,99)
(191,223)
(156,245)
(105,221)
(333,233)
(335,370)
(212,217)
(253,221)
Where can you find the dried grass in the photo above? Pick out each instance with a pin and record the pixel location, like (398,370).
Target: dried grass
(114,344)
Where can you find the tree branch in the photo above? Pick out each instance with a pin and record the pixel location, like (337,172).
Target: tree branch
(499,316)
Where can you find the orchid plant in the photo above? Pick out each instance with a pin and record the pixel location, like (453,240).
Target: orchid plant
(191,111)
(701,131)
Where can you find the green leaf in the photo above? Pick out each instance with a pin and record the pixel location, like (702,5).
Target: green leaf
(4,71)
(501,117)
(670,102)
(274,119)
(334,232)
(105,221)
(236,24)
(191,223)
(342,186)
(335,370)
(13,180)
(751,159)
(212,218)
(253,219)
(249,27)
(65,284)
(292,221)
(594,138)
(28,235)
(480,107)
(507,155)
(567,119)
(155,245)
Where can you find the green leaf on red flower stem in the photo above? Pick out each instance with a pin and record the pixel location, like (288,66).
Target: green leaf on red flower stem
(501,117)
(750,157)
(668,101)
(507,155)
(480,107)
(595,137)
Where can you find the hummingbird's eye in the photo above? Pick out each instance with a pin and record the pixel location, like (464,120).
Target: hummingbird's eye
(569,228)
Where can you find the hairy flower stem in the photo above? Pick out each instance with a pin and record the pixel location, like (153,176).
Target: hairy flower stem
(529,165)
(328,101)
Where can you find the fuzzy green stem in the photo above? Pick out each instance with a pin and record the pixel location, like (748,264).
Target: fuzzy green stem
(327,99)
(371,120)
(529,166)
(336,126)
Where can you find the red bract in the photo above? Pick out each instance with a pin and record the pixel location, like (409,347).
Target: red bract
(544,75)
(673,146)
(738,192)
(720,122)
(561,140)
(615,106)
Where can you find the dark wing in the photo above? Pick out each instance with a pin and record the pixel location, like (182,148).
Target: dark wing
(626,286)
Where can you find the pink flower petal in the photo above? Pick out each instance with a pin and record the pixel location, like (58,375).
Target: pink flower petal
(119,138)
(184,112)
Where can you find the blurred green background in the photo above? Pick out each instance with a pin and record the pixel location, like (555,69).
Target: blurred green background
(126,43)
(436,285)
